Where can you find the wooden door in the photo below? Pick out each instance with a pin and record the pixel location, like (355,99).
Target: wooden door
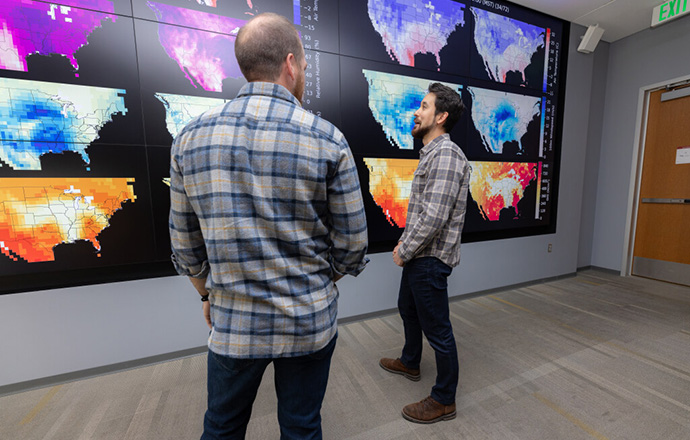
(662,236)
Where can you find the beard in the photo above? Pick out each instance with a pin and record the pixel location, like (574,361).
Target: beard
(419,131)
(298,91)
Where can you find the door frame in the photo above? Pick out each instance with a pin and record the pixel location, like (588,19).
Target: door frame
(636,170)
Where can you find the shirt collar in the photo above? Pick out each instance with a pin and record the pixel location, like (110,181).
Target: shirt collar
(270,89)
(431,145)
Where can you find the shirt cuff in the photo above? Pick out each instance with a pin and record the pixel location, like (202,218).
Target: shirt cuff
(193,272)
(402,253)
(354,272)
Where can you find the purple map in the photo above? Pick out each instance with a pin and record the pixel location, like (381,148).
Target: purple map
(28,27)
(98,5)
(206,58)
(409,27)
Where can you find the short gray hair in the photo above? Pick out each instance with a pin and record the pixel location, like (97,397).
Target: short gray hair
(263,44)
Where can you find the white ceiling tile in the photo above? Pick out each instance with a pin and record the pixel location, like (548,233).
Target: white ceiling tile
(565,9)
(620,18)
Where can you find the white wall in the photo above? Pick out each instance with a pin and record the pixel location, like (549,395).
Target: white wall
(600,59)
(54,332)
(648,57)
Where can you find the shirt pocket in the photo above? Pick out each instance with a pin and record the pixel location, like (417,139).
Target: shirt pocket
(420,176)
(418,185)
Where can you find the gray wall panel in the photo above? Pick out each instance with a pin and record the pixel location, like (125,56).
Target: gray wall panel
(593,153)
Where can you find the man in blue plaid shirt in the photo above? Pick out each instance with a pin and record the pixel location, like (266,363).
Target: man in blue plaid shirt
(266,215)
(428,250)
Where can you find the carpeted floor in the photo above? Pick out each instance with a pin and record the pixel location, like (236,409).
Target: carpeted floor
(593,356)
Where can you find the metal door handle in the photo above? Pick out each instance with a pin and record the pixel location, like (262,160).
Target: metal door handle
(673,201)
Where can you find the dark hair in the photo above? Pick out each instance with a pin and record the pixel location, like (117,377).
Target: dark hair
(263,44)
(447,100)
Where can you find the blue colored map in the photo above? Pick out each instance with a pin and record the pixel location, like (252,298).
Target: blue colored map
(393,99)
(502,117)
(181,109)
(505,45)
(409,27)
(41,117)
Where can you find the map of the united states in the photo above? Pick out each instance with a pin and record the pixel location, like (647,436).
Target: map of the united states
(505,45)
(390,183)
(409,27)
(393,99)
(181,109)
(498,185)
(207,56)
(39,117)
(30,27)
(38,214)
(502,117)
(493,185)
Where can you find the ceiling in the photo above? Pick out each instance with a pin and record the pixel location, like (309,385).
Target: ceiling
(618,18)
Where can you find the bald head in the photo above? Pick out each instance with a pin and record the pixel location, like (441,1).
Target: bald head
(263,44)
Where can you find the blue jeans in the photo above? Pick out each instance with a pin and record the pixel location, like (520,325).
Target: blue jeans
(423,306)
(300,386)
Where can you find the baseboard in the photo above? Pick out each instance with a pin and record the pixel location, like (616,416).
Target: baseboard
(461,297)
(143,362)
(98,371)
(513,286)
(599,269)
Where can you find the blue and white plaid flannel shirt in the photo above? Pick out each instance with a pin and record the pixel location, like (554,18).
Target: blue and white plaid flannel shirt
(266,202)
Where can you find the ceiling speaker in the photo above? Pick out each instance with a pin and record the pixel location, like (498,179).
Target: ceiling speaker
(590,39)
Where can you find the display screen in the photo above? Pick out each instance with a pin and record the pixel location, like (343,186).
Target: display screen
(504,60)
(93,92)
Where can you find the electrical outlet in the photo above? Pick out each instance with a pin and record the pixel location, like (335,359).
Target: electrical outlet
(550,247)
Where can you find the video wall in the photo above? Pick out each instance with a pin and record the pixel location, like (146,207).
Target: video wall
(92,93)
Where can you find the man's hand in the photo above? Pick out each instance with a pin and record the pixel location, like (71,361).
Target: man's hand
(206,307)
(200,286)
(396,258)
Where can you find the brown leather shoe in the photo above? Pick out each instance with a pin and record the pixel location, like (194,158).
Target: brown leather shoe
(396,366)
(428,411)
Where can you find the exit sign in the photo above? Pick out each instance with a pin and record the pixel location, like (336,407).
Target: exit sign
(668,11)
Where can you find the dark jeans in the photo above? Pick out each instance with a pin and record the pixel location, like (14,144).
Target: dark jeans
(423,305)
(300,386)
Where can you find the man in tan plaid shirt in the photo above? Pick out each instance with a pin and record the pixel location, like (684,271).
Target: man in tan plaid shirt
(429,249)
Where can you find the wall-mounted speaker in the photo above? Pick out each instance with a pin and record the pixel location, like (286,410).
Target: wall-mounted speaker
(590,39)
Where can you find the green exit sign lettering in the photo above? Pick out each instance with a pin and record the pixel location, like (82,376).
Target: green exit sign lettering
(668,11)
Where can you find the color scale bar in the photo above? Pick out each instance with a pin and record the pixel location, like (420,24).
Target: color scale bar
(536,213)
(297,8)
(543,127)
(546,60)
